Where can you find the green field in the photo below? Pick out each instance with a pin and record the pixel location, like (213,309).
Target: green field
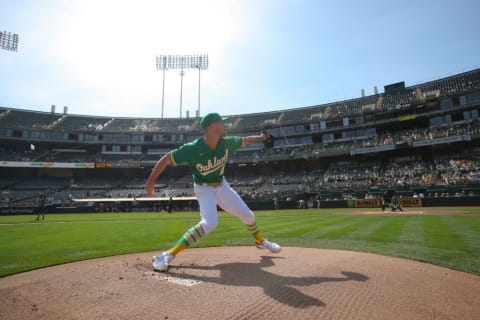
(448,240)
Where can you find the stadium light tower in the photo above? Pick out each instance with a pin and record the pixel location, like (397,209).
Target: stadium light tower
(8,41)
(202,65)
(162,65)
(182,74)
(182,62)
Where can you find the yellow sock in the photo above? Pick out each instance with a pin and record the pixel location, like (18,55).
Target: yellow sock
(177,248)
(190,237)
(253,230)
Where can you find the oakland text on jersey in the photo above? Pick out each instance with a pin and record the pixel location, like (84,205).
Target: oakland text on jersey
(213,165)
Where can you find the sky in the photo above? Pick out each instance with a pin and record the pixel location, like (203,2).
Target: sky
(98,56)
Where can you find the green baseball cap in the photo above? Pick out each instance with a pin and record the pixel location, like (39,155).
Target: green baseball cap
(210,118)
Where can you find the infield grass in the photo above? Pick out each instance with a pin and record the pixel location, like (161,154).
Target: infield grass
(448,240)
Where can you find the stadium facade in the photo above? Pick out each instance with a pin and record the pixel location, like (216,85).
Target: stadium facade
(417,140)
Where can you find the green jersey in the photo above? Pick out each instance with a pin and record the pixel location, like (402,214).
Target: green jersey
(207,164)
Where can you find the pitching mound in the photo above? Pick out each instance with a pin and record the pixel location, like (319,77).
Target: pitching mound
(243,283)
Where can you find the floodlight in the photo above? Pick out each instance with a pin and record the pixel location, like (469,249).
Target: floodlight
(8,41)
(182,62)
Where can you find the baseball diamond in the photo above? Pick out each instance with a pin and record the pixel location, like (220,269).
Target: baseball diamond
(366,208)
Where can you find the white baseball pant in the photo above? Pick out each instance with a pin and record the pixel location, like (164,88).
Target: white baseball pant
(228,199)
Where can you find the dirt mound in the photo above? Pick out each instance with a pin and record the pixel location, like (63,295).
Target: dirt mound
(243,283)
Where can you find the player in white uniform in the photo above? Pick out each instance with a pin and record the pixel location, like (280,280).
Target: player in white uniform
(207,157)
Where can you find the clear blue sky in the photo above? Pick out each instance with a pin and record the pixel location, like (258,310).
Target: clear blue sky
(98,57)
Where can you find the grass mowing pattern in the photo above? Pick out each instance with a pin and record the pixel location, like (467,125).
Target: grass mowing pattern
(389,231)
(447,240)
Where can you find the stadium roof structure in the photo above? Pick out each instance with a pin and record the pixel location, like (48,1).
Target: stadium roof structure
(403,97)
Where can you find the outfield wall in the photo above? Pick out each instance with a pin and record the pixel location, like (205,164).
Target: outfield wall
(188,204)
(451,201)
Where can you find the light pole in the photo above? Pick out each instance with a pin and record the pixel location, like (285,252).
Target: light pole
(198,110)
(199,68)
(182,62)
(162,65)
(182,74)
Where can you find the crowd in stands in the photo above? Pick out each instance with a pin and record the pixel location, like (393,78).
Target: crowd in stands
(412,135)
(397,138)
(394,174)
(346,146)
(458,172)
(406,174)
(402,174)
(351,178)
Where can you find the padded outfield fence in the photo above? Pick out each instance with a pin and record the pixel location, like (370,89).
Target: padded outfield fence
(190,204)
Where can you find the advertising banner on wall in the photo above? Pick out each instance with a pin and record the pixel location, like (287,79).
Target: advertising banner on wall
(21,164)
(375,203)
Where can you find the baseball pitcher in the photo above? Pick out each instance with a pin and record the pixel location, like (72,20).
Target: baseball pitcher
(207,157)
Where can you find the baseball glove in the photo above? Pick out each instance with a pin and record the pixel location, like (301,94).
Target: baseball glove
(270,141)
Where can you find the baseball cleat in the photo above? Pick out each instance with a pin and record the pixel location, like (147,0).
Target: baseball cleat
(160,262)
(272,246)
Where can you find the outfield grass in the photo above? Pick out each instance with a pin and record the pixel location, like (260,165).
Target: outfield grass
(451,241)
